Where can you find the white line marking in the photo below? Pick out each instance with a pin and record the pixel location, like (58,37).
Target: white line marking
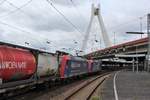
(115,90)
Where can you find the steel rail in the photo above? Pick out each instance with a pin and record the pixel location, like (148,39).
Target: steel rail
(93,91)
(85,85)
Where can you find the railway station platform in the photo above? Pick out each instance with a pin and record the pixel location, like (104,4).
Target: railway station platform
(126,85)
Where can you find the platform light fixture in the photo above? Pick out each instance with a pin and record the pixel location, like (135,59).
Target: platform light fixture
(27,43)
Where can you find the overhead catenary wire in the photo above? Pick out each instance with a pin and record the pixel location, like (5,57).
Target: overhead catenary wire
(17,8)
(21,30)
(119,26)
(78,11)
(65,18)
(51,3)
(126,23)
(22,12)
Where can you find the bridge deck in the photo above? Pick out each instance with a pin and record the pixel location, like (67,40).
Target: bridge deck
(126,86)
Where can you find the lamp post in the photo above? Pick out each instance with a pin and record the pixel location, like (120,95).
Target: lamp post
(48,44)
(26,43)
(75,46)
(141,25)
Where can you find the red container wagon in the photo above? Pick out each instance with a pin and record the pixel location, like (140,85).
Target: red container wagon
(16,64)
(73,66)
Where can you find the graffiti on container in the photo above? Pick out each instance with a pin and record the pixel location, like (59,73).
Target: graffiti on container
(12,65)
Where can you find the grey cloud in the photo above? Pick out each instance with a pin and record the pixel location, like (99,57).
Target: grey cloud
(46,24)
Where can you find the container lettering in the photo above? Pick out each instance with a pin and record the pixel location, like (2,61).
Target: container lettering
(12,65)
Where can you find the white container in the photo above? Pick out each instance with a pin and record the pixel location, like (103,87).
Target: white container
(47,65)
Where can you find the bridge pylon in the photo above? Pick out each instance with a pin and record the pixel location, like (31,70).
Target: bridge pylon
(95,12)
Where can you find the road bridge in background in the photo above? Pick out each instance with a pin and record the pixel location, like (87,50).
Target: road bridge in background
(133,47)
(135,51)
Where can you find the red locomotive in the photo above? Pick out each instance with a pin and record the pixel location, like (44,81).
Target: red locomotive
(74,66)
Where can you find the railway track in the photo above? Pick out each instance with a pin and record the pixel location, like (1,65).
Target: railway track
(37,93)
(87,91)
(65,92)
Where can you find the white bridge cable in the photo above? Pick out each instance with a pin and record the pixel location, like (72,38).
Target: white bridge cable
(104,32)
(87,35)
(96,37)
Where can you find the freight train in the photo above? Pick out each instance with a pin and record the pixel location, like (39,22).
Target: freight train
(20,68)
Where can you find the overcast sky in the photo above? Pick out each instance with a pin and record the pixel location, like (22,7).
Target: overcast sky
(37,22)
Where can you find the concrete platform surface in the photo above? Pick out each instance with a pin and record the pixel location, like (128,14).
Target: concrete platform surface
(126,85)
